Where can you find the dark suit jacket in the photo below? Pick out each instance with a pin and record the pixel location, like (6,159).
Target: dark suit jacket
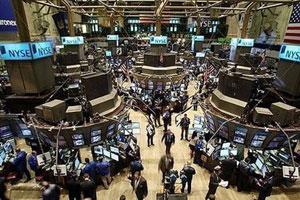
(88,189)
(214,182)
(142,188)
(162,164)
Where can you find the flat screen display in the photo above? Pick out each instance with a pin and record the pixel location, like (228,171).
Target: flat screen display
(114,149)
(5,132)
(77,136)
(115,157)
(98,150)
(224,153)
(223,132)
(95,132)
(96,139)
(78,143)
(259,163)
(240,135)
(210,122)
(258,139)
(76,163)
(108,53)
(26,132)
(200,54)
(106,153)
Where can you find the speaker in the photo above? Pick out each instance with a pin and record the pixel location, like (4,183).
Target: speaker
(283,113)
(54,111)
(96,84)
(31,77)
(288,76)
(262,116)
(70,58)
(227,104)
(74,113)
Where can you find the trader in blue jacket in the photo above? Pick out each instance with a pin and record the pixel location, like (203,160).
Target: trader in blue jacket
(90,169)
(21,164)
(32,162)
(103,168)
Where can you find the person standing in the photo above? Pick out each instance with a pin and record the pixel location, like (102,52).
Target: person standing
(103,168)
(157,113)
(185,123)
(192,143)
(214,182)
(32,162)
(166,119)
(189,172)
(140,186)
(20,163)
(229,166)
(50,191)
(200,147)
(265,186)
(88,187)
(169,139)
(166,163)
(73,186)
(90,168)
(150,133)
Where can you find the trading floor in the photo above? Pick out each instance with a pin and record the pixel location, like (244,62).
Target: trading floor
(180,152)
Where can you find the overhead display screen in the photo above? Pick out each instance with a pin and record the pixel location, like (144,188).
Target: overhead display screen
(72,40)
(258,139)
(240,135)
(158,39)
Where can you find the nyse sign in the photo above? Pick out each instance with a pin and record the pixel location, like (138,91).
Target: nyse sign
(158,40)
(113,37)
(198,38)
(290,52)
(25,51)
(240,42)
(72,40)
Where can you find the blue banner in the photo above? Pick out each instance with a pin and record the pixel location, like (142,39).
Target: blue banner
(158,39)
(7,17)
(25,51)
(290,52)
(76,40)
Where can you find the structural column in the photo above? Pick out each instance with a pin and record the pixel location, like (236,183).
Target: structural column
(21,20)
(247,18)
(198,28)
(158,25)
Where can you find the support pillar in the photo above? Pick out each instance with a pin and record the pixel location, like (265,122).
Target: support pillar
(21,20)
(71,23)
(198,29)
(158,26)
(246,19)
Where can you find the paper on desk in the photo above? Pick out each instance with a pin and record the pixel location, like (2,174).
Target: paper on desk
(223,183)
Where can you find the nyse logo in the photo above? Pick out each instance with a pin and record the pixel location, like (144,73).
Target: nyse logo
(290,53)
(41,51)
(15,53)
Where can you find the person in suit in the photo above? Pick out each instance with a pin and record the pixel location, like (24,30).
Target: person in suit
(157,113)
(166,119)
(150,133)
(214,182)
(265,186)
(166,163)
(184,124)
(50,191)
(169,139)
(32,162)
(103,169)
(88,187)
(73,186)
(228,166)
(189,172)
(140,186)
(20,163)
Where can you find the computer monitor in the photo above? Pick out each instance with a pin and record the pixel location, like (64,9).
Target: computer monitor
(106,153)
(234,152)
(226,145)
(96,139)
(98,150)
(200,54)
(114,149)
(5,132)
(2,154)
(26,132)
(1,161)
(224,153)
(8,147)
(78,143)
(111,127)
(259,163)
(95,132)
(115,157)
(60,170)
(108,53)
(77,136)
(43,158)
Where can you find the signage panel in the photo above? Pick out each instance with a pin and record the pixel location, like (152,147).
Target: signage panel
(198,38)
(240,42)
(290,52)
(26,51)
(72,40)
(7,17)
(18,51)
(108,53)
(113,37)
(200,54)
(158,39)
(41,49)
